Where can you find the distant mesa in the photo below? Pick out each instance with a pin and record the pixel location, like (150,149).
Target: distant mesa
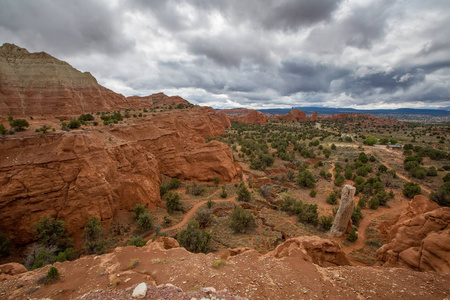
(159,99)
(295,115)
(244,115)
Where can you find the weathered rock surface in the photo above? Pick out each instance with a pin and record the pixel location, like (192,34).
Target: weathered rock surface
(177,139)
(295,115)
(420,239)
(314,117)
(39,84)
(11,269)
(344,213)
(322,252)
(249,274)
(244,115)
(71,176)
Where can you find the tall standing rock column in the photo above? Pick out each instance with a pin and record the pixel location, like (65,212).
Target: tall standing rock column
(345,211)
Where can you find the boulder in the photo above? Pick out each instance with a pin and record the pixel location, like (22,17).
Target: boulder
(162,242)
(344,213)
(140,291)
(11,269)
(322,252)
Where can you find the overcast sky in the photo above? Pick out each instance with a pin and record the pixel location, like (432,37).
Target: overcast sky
(249,53)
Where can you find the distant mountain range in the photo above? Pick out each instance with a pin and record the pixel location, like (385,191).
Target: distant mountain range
(330,110)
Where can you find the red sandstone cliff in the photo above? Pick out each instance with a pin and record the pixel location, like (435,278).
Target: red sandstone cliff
(314,117)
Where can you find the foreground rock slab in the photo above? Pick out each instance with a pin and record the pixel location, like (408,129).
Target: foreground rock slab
(289,273)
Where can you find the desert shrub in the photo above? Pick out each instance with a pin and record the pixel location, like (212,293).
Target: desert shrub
(411,189)
(94,240)
(53,273)
(51,232)
(139,209)
(362,157)
(288,204)
(362,202)
(194,239)
(357,215)
(382,168)
(442,196)
(332,198)
(219,263)
(196,189)
(339,180)
(73,124)
(19,124)
(173,202)
(306,179)
(173,184)
(137,241)
(3,130)
(325,222)
(5,245)
(308,214)
(243,193)
(313,193)
(265,190)
(145,221)
(216,180)
(446,178)
(241,220)
(44,258)
(85,117)
(223,194)
(333,147)
(374,203)
(204,217)
(370,141)
(432,171)
(352,236)
(348,173)
(167,219)
(68,254)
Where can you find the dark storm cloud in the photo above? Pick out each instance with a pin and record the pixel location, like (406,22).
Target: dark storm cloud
(383,81)
(62,27)
(363,26)
(305,76)
(269,14)
(254,53)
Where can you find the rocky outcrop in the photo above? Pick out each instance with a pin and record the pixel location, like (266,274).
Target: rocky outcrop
(11,269)
(71,176)
(322,252)
(177,139)
(295,115)
(420,239)
(344,213)
(243,115)
(314,117)
(39,84)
